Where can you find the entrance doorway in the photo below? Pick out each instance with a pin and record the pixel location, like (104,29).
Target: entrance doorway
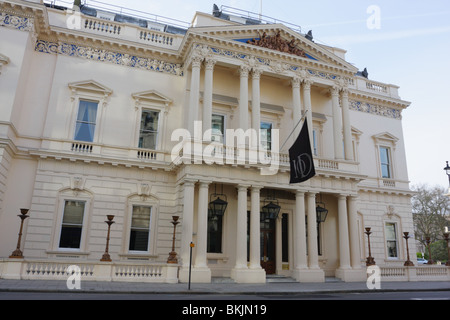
(267,240)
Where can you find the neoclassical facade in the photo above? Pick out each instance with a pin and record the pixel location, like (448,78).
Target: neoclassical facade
(103,115)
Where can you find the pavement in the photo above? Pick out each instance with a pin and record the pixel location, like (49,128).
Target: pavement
(284,286)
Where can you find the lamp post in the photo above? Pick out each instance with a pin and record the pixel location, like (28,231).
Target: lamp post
(173,255)
(17,254)
(446,238)
(106,256)
(430,260)
(408,263)
(447,171)
(370,260)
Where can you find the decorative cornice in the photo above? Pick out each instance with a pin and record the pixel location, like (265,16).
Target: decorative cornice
(104,55)
(380,110)
(16,22)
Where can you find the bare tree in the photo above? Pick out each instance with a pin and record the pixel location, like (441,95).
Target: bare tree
(431,209)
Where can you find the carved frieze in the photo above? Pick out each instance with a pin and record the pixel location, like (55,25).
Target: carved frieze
(89,53)
(277,43)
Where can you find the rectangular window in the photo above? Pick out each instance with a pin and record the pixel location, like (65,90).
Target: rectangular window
(285,237)
(385,162)
(86,121)
(218,128)
(315,141)
(140,228)
(266,135)
(148,134)
(214,242)
(391,240)
(72,224)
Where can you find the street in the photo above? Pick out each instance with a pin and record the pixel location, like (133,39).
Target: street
(414,295)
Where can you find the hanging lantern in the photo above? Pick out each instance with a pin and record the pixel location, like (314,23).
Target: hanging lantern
(217,207)
(321,212)
(270,210)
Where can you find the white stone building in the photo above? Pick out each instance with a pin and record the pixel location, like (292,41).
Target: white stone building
(90,107)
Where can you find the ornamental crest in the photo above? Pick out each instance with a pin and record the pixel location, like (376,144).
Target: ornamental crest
(277,43)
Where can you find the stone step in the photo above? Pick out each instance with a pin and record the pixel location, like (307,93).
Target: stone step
(278,279)
(221,280)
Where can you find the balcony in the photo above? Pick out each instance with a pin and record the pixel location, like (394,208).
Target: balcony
(198,152)
(72,21)
(101,153)
(369,86)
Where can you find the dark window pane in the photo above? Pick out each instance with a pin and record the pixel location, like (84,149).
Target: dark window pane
(70,237)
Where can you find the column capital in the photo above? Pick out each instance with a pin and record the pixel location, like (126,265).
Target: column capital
(189,182)
(244,70)
(242,187)
(342,196)
(312,193)
(296,82)
(196,61)
(256,188)
(256,73)
(307,82)
(334,90)
(344,93)
(210,63)
(204,183)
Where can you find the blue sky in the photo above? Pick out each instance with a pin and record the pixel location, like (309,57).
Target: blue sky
(410,47)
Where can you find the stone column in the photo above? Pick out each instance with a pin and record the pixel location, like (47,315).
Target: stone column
(300,257)
(255,229)
(348,147)
(241,229)
(241,273)
(337,125)
(296,104)
(208,94)
(353,229)
(243,98)
(201,272)
(194,92)
(256,107)
(344,256)
(313,256)
(314,273)
(308,108)
(187,223)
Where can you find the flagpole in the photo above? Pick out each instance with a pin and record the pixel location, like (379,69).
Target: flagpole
(303,117)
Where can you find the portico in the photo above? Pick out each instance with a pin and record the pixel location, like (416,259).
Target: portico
(303,249)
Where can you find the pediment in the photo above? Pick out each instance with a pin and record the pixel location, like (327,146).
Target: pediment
(385,137)
(152,96)
(278,39)
(90,86)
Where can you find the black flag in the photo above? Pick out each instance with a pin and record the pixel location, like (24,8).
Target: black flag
(300,157)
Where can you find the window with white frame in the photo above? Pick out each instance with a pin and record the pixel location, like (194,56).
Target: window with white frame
(140,228)
(72,224)
(391,239)
(89,100)
(86,121)
(385,145)
(151,110)
(315,141)
(385,162)
(218,128)
(148,133)
(266,135)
